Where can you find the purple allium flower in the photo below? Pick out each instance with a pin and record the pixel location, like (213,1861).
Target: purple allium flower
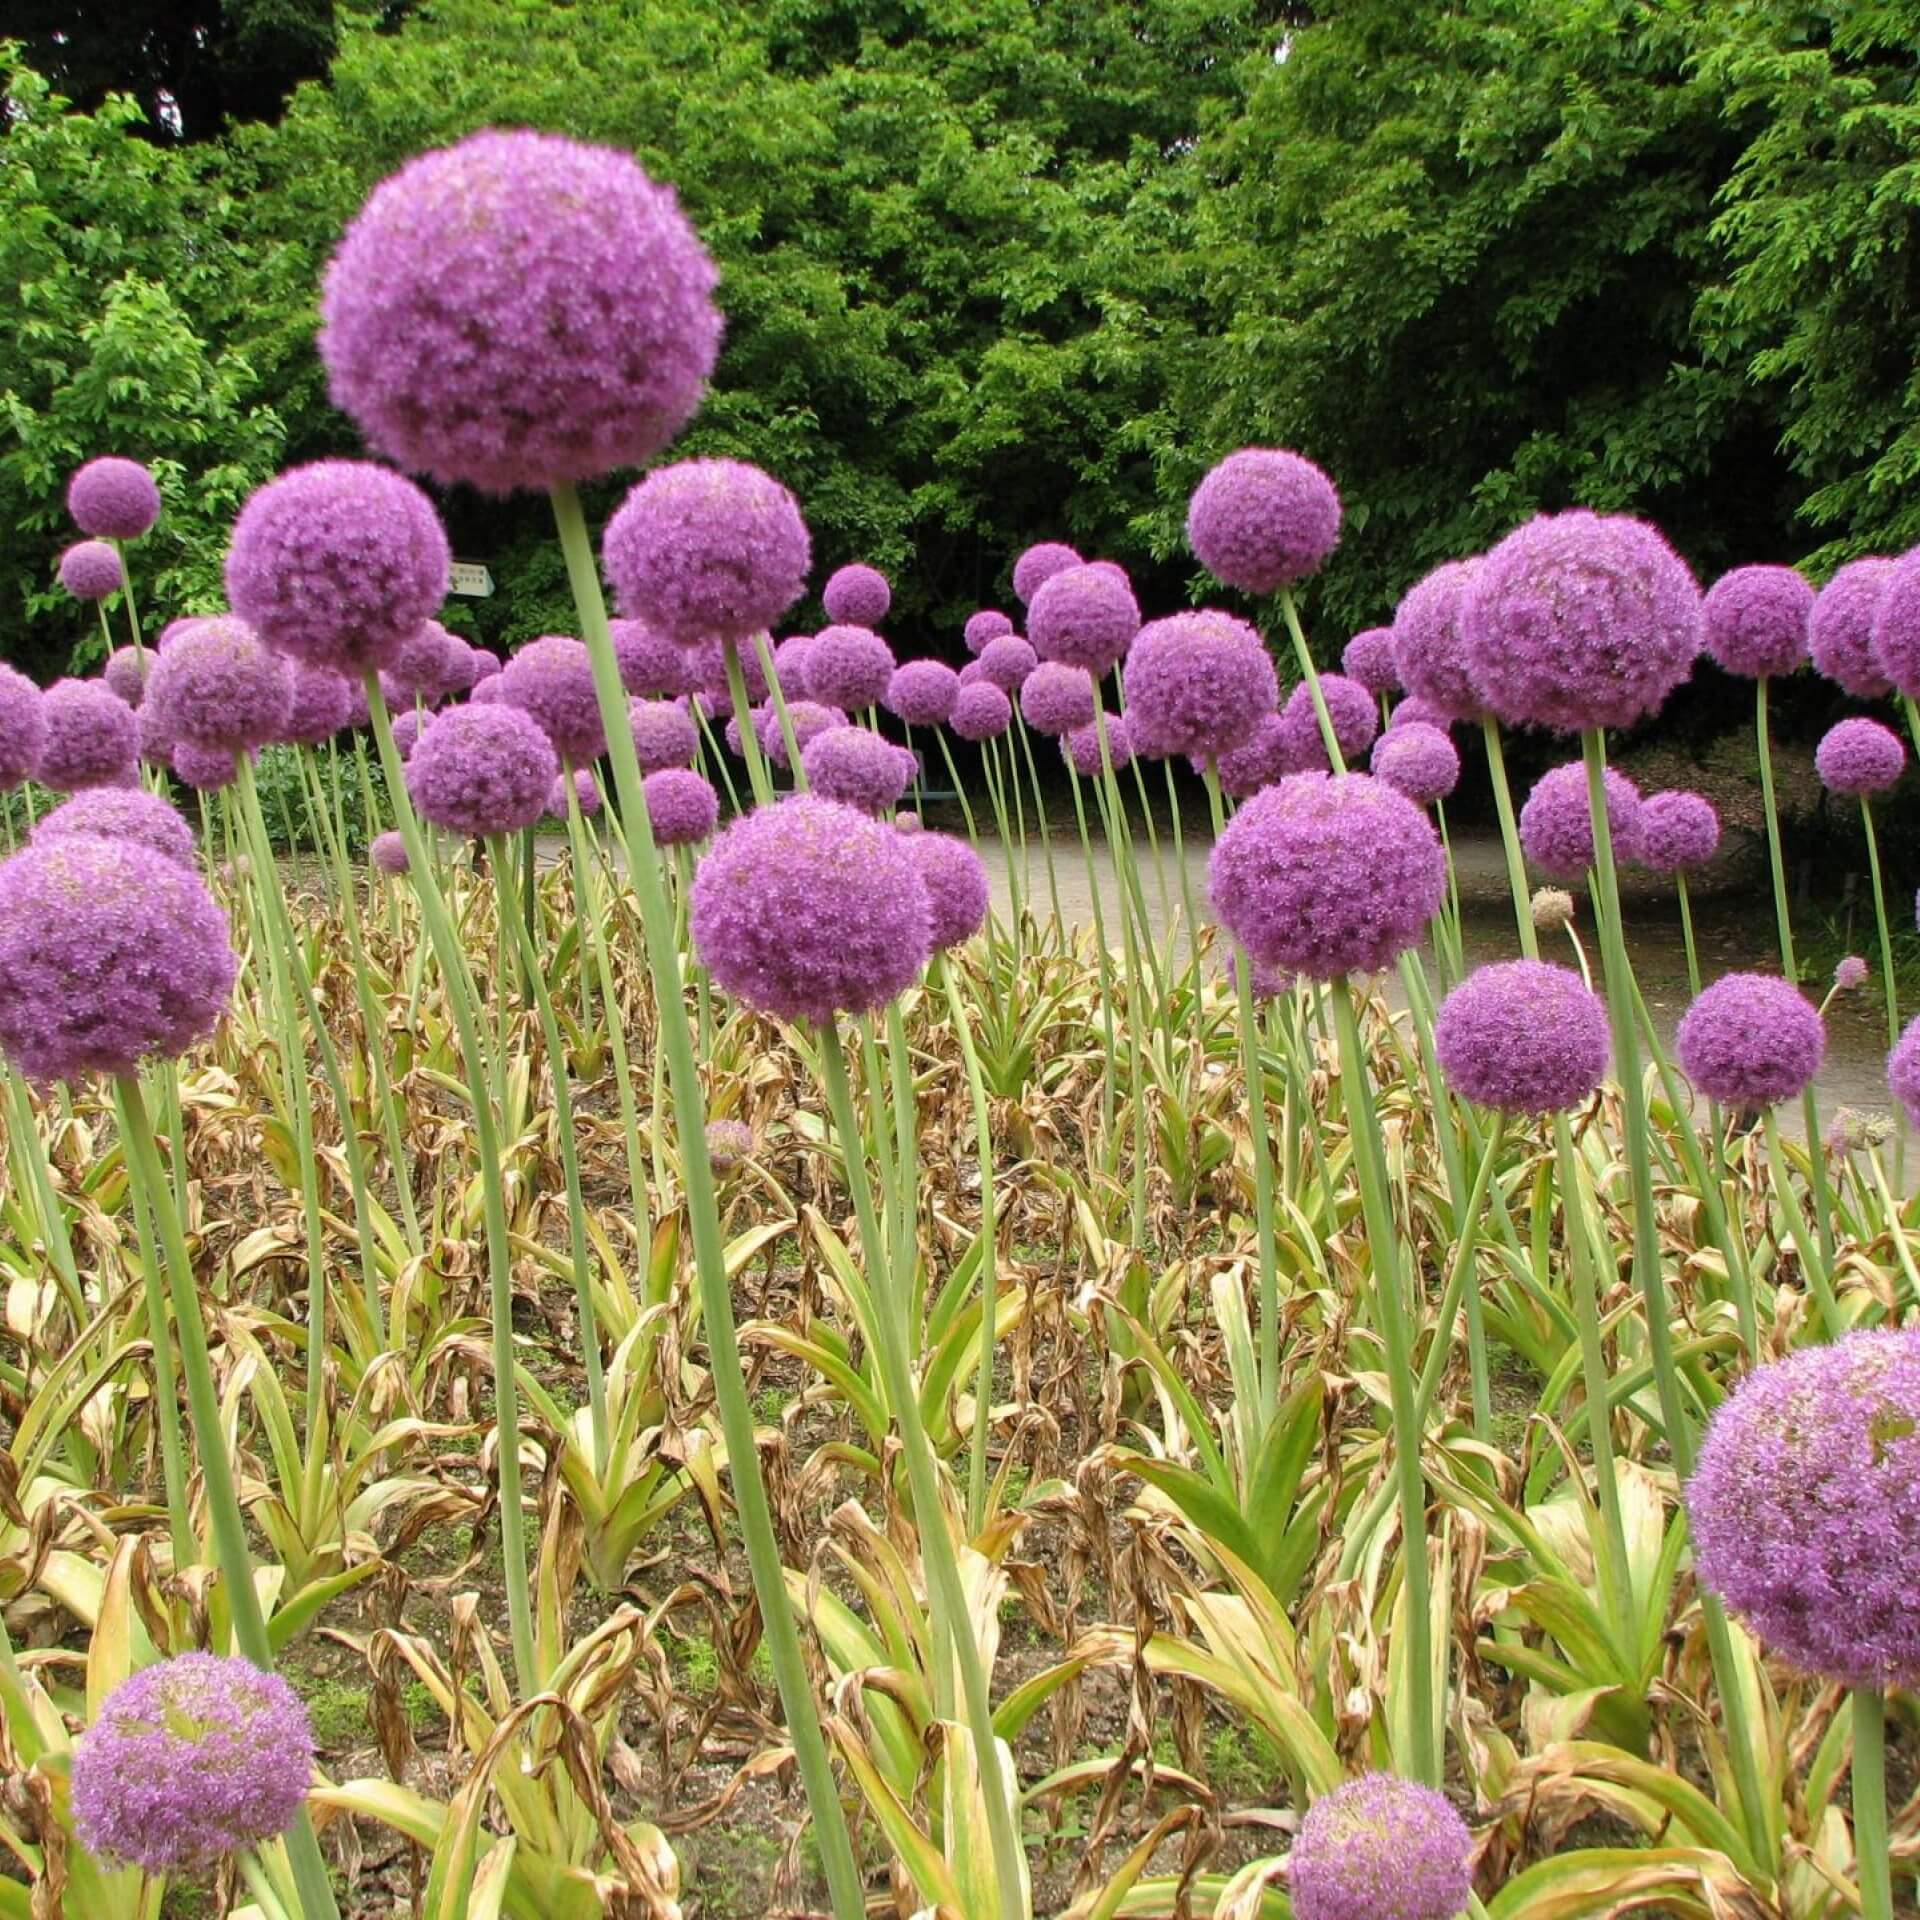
(1840,637)
(1419,761)
(113,499)
(857,596)
(922,692)
(466,665)
(956,882)
(1381,1848)
(1804,1507)
(91,570)
(424,666)
(1005,661)
(125,673)
(337,563)
(111,953)
(586,794)
(204,769)
(1678,830)
(517,310)
(488,692)
(981,712)
(482,770)
(189,1760)
(1756,620)
(1428,650)
(858,768)
(653,665)
(806,908)
(848,667)
(1903,1071)
(664,734)
(1263,518)
(1057,698)
(89,738)
(1859,756)
(1556,824)
(988,624)
(682,806)
(1038,565)
(1416,712)
(1896,626)
(1579,620)
(1850,974)
(219,687)
(1751,1040)
(409,726)
(808,719)
(1368,657)
(1523,1037)
(322,705)
(174,629)
(122,813)
(1327,875)
(551,679)
(1197,683)
(23,727)
(907,821)
(1083,617)
(970,672)
(1258,762)
(388,852)
(486,664)
(1352,709)
(1081,747)
(790,665)
(708,549)
(729,1142)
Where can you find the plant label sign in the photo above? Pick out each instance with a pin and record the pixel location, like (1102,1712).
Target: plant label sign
(471,578)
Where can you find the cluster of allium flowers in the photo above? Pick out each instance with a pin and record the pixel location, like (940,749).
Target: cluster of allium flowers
(1005,662)
(1081,746)
(857,596)
(1327,875)
(1381,1848)
(23,727)
(1523,1037)
(956,882)
(1556,824)
(665,734)
(110,954)
(191,1759)
(1859,756)
(424,667)
(922,692)
(585,792)
(321,704)
(807,908)
(1751,1040)
(653,665)
(1037,566)
(1057,698)
(388,852)
(1351,708)
(1580,620)
(517,310)
(807,719)
(89,737)
(1419,761)
(729,1142)
(1428,650)
(1678,831)
(980,712)
(1896,626)
(409,726)
(1369,658)
(1263,518)
(219,687)
(848,667)
(482,770)
(857,767)
(1083,617)
(1198,684)
(1757,620)
(1257,762)
(1840,637)
(122,813)
(91,570)
(988,624)
(125,673)
(1804,1507)
(113,499)
(708,549)
(681,805)
(336,564)
(551,680)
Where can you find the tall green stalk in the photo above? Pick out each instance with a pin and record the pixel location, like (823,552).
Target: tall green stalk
(1873,1861)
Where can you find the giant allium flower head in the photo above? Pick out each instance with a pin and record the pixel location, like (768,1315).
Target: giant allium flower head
(1369,658)
(1038,565)
(91,570)
(1757,620)
(1556,824)
(467,665)
(653,665)
(1198,684)
(858,768)
(1751,1040)
(1006,660)
(922,692)
(1840,637)
(1083,617)
(1056,698)
(1579,620)
(956,882)
(1859,756)
(204,769)
(848,667)
(806,909)
(708,550)
(681,805)
(1257,762)
(89,737)
(857,596)
(1523,1037)
(1263,518)
(551,679)
(988,624)
(1428,650)
(23,727)
(517,310)
(113,499)
(189,1760)
(808,719)
(219,687)
(1081,747)
(321,706)
(1804,1507)
(110,954)
(981,712)
(125,673)
(482,770)
(1678,831)
(664,734)
(1327,875)
(1419,761)
(122,813)
(1352,709)
(1896,626)
(1381,1848)
(336,564)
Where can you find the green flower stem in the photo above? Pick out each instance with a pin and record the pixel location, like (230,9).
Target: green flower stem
(959,788)
(1510,837)
(758,777)
(1001,780)
(166,1392)
(1310,675)
(37,1175)
(1896,1225)
(1102,956)
(1819,1278)
(1040,826)
(1463,1286)
(1872,1850)
(106,631)
(1886,967)
(777,694)
(126,594)
(716,753)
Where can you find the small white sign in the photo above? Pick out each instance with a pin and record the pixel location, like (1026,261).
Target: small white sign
(472,579)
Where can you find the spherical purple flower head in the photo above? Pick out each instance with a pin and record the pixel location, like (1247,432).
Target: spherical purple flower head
(519,309)
(1263,518)
(113,499)
(1757,619)
(1804,1507)
(1678,831)
(1428,650)
(204,769)
(1751,1040)
(490,692)
(858,768)
(1381,1848)
(1197,683)
(23,727)
(1420,762)
(1840,638)
(848,667)
(1896,626)
(408,727)
(988,624)
(808,719)
(710,659)
(174,629)
(922,692)
(790,665)
(122,813)
(729,1142)
(1038,565)
(1523,1037)
(189,1760)
(1082,747)
(551,679)
(970,672)
(682,806)
(1057,698)
(322,705)
(1083,617)
(423,667)
(125,674)
(653,665)
(807,908)
(482,770)
(1556,824)
(1416,712)
(463,665)
(90,570)
(664,734)
(1903,1071)
(981,712)
(110,954)
(1006,661)
(1352,709)
(1327,875)
(1257,762)
(90,737)
(1859,756)
(219,687)
(486,665)
(388,852)
(857,596)
(1368,658)
(956,882)
(586,794)
(336,564)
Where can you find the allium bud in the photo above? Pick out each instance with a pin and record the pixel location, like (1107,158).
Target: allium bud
(1262,519)
(857,596)
(1037,566)
(682,806)
(1751,1040)
(1523,1037)
(1381,1848)
(1850,974)
(1850,1131)
(89,737)
(729,1142)
(113,499)
(1550,909)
